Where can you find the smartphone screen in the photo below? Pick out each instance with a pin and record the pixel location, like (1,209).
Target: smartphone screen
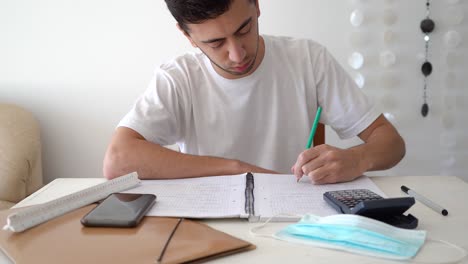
(120,210)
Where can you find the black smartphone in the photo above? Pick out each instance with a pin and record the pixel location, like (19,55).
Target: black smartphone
(120,210)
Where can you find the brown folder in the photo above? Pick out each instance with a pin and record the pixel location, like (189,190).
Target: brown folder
(65,240)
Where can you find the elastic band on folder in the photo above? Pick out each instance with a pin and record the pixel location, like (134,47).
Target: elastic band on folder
(168,241)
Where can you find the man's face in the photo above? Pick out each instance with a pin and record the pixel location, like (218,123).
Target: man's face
(231,41)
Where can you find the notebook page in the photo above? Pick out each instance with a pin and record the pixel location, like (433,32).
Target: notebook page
(281,194)
(206,197)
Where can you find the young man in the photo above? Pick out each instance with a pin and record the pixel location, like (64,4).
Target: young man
(246,102)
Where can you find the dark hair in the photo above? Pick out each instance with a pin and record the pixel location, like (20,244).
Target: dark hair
(197,11)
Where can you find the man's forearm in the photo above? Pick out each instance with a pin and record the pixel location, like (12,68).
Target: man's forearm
(153,161)
(383,149)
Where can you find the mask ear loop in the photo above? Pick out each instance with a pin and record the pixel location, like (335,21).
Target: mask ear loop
(254,230)
(460,249)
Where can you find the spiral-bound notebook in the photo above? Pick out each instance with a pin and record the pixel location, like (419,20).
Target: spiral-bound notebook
(254,196)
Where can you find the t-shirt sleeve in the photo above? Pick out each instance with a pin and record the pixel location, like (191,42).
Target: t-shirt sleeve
(346,109)
(157,112)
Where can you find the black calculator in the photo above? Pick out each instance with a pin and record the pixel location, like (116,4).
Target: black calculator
(367,203)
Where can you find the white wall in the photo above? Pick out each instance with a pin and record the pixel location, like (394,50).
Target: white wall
(79,65)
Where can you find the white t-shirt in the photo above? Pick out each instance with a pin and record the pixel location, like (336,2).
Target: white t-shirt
(264,118)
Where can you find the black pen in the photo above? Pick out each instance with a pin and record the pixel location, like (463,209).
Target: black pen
(424,200)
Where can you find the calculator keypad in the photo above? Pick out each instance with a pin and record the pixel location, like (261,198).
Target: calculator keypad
(352,197)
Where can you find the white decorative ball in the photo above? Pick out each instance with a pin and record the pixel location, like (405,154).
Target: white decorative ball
(359,79)
(356,60)
(452,39)
(387,58)
(357,18)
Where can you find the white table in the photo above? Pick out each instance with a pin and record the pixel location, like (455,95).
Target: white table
(450,192)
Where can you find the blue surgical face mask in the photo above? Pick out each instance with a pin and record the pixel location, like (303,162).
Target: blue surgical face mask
(355,234)
(358,234)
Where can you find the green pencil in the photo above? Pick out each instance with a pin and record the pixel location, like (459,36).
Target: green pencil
(314,127)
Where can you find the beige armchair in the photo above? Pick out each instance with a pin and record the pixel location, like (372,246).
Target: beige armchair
(20,155)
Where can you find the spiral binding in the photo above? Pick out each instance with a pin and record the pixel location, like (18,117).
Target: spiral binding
(249,196)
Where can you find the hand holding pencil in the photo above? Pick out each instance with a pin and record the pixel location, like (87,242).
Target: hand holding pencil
(325,164)
(312,131)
